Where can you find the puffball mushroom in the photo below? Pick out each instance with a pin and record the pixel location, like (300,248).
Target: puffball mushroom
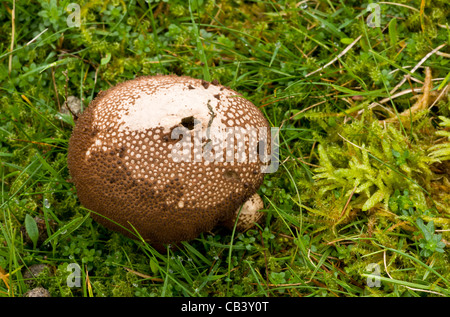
(169,157)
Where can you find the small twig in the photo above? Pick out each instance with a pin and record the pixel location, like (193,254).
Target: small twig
(359,147)
(443,54)
(306,163)
(399,4)
(385,266)
(301,111)
(443,93)
(401,93)
(155,279)
(417,66)
(34,142)
(347,203)
(337,57)
(35,38)
(421,104)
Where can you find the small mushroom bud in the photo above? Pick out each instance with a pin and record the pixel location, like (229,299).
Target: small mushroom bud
(248,214)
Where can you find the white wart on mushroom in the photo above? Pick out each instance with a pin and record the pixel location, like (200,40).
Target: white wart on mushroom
(123,163)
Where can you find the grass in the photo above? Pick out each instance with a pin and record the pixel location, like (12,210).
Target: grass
(362,191)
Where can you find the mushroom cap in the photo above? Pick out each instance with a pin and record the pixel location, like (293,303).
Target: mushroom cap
(148,155)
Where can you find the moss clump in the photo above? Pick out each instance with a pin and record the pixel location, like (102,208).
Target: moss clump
(367,163)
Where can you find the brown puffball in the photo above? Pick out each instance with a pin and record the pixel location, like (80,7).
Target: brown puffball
(154,155)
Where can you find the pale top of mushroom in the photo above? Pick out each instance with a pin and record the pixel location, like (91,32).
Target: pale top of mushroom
(174,102)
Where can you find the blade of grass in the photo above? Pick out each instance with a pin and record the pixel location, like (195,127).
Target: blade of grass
(200,48)
(68,228)
(417,261)
(258,278)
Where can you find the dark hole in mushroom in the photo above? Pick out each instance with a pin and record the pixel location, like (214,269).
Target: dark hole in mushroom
(230,174)
(188,122)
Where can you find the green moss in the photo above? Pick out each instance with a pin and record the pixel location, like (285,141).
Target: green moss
(441,152)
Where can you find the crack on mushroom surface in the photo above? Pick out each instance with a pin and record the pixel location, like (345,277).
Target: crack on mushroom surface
(127,168)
